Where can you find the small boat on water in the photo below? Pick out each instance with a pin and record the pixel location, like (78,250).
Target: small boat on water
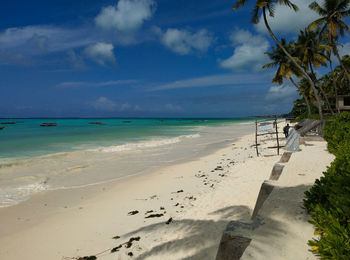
(2,127)
(126,121)
(97,123)
(8,123)
(48,124)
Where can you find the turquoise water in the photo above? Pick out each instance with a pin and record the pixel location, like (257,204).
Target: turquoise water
(76,154)
(28,139)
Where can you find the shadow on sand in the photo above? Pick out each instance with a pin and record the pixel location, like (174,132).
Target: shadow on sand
(199,239)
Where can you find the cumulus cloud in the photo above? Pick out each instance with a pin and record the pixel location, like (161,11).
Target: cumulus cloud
(185,42)
(287,21)
(248,51)
(101,53)
(283,93)
(104,104)
(127,16)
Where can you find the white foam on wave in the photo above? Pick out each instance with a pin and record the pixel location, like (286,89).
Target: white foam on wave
(14,195)
(144,144)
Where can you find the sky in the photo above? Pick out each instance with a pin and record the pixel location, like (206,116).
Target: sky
(141,58)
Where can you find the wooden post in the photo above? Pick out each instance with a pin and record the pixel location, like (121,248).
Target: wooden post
(256,137)
(278,143)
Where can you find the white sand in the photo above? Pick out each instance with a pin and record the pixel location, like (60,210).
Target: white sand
(81,222)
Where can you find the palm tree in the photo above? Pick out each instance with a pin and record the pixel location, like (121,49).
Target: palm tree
(329,85)
(313,53)
(306,89)
(332,12)
(269,5)
(341,77)
(285,68)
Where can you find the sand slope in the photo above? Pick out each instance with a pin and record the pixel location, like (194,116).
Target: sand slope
(201,197)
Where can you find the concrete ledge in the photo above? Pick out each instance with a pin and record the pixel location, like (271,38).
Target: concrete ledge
(312,138)
(232,247)
(276,172)
(265,190)
(236,238)
(285,157)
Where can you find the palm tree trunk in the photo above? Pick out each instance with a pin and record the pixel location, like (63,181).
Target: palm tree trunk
(303,95)
(299,67)
(335,50)
(321,88)
(334,86)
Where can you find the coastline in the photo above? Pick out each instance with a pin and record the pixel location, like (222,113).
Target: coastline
(201,196)
(21,179)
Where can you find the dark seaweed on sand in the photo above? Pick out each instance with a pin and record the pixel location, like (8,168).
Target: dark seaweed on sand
(155,216)
(92,257)
(134,212)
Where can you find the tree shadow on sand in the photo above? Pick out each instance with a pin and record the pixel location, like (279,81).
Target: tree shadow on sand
(199,239)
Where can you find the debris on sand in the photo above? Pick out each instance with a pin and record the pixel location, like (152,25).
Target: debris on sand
(155,215)
(134,212)
(92,257)
(115,249)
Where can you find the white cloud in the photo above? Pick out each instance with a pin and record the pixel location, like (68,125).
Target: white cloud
(127,16)
(78,84)
(125,106)
(173,107)
(283,93)
(104,104)
(344,50)
(36,39)
(20,45)
(185,42)
(248,53)
(213,81)
(287,21)
(137,108)
(101,53)
(76,60)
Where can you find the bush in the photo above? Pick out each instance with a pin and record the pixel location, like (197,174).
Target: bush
(328,200)
(338,131)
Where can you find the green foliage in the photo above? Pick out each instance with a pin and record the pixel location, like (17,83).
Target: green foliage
(328,200)
(338,131)
(313,116)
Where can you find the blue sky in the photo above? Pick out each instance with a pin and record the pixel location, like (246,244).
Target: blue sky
(140,58)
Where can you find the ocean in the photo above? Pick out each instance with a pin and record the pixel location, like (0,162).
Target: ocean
(76,153)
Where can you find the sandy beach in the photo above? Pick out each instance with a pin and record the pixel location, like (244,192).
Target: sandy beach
(176,212)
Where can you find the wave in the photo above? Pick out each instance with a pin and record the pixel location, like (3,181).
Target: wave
(15,195)
(144,144)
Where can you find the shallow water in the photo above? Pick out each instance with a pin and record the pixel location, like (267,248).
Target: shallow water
(76,154)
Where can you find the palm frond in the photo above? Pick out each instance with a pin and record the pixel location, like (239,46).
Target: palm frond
(239,4)
(270,65)
(316,23)
(255,17)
